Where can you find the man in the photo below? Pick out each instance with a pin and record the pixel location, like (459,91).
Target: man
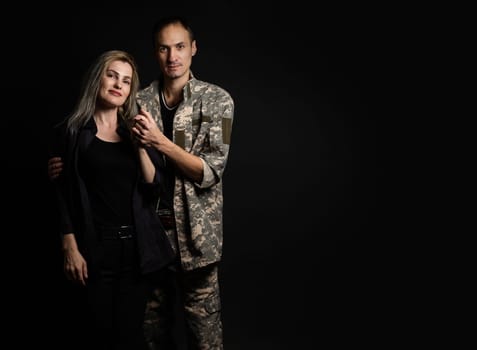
(190,122)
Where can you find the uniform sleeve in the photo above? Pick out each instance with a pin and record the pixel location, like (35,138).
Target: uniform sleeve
(215,156)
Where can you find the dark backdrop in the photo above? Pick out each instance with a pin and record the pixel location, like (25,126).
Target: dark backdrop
(302,216)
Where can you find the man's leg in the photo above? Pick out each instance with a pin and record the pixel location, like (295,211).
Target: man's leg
(202,308)
(159,318)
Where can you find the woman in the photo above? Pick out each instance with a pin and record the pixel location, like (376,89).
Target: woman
(111,237)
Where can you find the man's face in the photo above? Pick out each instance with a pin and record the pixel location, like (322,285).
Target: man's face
(174,51)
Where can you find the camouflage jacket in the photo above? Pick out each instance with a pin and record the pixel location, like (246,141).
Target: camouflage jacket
(202,126)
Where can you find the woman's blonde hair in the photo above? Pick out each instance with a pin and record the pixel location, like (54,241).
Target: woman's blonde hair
(86,104)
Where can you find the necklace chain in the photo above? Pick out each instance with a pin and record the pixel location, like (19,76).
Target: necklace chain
(165,103)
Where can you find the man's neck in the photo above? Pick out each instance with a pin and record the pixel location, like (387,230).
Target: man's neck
(174,87)
(172,90)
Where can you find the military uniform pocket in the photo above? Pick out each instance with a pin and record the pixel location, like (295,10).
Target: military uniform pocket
(212,304)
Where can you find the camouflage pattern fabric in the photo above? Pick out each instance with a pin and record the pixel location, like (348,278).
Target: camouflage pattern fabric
(201,298)
(159,318)
(202,126)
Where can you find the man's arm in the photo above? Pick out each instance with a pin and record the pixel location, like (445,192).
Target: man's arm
(148,133)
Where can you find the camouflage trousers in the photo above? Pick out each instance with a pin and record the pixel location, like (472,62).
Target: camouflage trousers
(199,299)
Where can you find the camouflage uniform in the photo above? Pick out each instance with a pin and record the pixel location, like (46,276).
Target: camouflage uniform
(202,126)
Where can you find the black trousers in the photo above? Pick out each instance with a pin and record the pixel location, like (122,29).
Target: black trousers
(117,298)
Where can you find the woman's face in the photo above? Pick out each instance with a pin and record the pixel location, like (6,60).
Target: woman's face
(115,84)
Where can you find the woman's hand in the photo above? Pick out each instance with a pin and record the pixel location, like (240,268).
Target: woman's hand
(74,264)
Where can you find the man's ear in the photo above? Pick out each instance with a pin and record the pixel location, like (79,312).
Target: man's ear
(194,48)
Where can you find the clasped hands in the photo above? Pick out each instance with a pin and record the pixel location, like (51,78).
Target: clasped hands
(144,129)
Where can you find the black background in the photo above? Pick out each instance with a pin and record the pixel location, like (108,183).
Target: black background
(302,186)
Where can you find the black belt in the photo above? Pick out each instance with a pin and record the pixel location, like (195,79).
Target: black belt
(116,232)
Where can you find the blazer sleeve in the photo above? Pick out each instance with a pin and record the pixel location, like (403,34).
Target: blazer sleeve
(59,148)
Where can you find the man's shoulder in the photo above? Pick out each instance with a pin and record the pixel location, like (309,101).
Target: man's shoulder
(206,85)
(148,90)
(209,90)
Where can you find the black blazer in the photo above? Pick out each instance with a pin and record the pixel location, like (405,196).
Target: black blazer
(74,209)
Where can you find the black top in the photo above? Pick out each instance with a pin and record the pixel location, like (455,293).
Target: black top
(75,207)
(109,171)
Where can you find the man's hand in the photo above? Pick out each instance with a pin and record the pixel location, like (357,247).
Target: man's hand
(55,166)
(146,131)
